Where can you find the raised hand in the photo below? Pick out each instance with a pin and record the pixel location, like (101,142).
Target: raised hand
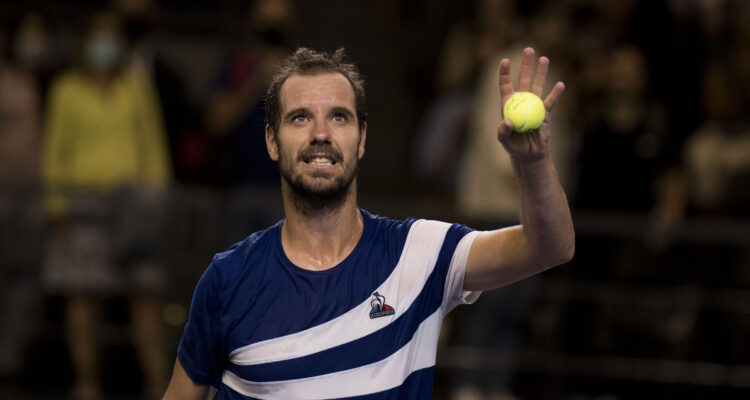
(531,145)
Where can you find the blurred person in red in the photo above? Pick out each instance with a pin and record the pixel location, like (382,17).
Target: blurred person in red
(106,164)
(24,69)
(235,113)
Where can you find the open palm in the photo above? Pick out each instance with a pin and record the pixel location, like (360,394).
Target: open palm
(531,145)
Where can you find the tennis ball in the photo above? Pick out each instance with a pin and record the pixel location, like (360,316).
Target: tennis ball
(526,110)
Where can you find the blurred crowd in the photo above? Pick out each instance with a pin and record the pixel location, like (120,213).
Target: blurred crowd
(92,134)
(653,128)
(653,116)
(98,131)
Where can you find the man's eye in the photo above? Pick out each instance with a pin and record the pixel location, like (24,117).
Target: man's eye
(339,117)
(299,118)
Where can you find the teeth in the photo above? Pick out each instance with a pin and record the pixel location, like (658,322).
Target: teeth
(321,161)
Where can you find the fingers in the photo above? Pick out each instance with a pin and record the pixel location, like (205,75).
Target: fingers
(527,63)
(506,85)
(525,83)
(554,95)
(537,86)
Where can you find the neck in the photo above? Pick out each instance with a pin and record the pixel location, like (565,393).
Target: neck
(320,240)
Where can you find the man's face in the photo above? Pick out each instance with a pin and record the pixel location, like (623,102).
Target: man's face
(319,143)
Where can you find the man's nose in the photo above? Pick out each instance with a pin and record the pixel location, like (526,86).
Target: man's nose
(321,131)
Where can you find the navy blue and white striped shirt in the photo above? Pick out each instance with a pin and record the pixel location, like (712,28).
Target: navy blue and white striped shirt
(261,327)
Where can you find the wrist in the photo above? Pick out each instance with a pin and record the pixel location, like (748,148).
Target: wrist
(531,164)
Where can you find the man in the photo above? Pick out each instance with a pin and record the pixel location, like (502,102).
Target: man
(334,302)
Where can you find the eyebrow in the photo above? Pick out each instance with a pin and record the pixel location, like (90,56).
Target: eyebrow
(305,110)
(344,111)
(301,110)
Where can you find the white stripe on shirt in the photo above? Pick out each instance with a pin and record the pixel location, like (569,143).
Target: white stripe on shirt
(418,259)
(391,372)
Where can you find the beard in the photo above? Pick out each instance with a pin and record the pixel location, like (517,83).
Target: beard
(313,198)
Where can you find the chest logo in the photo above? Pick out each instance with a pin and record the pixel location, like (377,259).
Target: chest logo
(379,308)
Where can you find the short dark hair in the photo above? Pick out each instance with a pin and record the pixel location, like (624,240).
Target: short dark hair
(305,61)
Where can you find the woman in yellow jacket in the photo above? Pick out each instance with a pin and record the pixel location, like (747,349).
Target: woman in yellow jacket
(104,138)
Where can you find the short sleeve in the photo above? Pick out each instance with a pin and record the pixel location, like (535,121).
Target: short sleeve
(200,351)
(455,294)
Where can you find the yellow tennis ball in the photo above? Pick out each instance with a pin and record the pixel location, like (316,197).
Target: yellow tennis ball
(526,110)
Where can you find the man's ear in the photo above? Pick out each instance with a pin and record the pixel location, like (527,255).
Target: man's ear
(362,139)
(271,145)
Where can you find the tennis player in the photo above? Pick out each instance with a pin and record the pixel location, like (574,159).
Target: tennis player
(337,302)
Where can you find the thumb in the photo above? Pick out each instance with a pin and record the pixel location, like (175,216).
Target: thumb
(504,130)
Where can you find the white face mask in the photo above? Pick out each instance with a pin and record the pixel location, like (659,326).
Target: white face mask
(103,52)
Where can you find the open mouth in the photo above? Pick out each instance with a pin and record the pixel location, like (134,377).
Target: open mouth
(319,160)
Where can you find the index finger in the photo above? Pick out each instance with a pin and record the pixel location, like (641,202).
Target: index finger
(506,85)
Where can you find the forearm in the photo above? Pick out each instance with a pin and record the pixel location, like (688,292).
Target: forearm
(545,215)
(545,237)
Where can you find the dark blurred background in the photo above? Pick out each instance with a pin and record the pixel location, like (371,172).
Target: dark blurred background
(131,151)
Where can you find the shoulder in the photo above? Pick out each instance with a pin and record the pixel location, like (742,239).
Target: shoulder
(384,223)
(385,230)
(69,78)
(233,262)
(136,79)
(413,232)
(67,83)
(437,234)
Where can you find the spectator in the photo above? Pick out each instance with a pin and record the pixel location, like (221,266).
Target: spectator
(21,81)
(23,72)
(626,163)
(140,25)
(628,129)
(486,176)
(442,136)
(105,164)
(235,113)
(717,154)
(487,186)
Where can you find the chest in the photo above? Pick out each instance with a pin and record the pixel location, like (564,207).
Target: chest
(283,304)
(374,291)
